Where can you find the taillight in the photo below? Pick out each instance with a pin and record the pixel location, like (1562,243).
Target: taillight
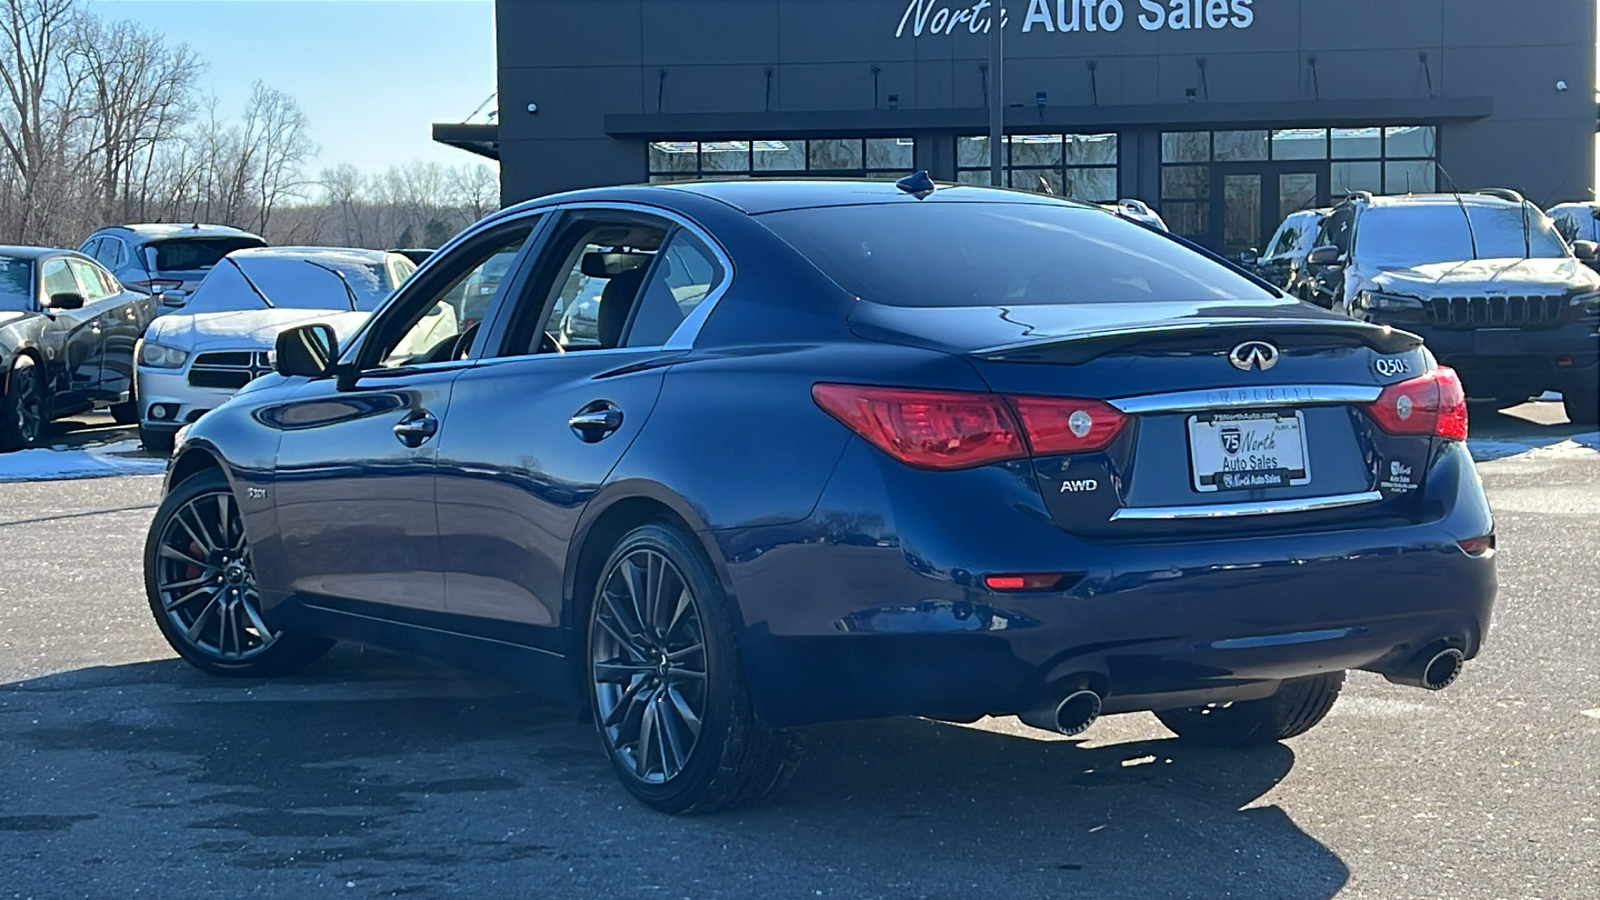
(1432,404)
(927,429)
(1058,426)
(156,285)
(963,429)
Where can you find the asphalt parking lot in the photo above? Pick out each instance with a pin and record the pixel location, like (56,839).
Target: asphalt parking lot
(125,773)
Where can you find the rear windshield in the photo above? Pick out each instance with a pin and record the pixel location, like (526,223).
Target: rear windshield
(196,254)
(998,254)
(16,284)
(1418,235)
(292,283)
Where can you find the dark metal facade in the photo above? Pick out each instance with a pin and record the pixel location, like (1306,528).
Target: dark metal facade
(1480,80)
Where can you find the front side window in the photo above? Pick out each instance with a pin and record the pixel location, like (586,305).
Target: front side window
(685,274)
(1000,254)
(94,287)
(58,279)
(438,325)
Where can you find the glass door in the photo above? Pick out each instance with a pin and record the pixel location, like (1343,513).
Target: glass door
(1249,201)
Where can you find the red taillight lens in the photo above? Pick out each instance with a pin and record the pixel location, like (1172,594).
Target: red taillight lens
(1056,426)
(1044,581)
(927,429)
(1431,404)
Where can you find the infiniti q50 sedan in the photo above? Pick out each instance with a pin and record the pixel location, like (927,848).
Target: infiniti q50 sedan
(835,451)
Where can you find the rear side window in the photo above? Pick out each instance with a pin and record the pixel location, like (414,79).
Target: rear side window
(685,274)
(997,254)
(191,254)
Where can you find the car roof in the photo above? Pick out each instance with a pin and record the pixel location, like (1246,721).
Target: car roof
(1440,200)
(156,231)
(20,252)
(761,196)
(326,254)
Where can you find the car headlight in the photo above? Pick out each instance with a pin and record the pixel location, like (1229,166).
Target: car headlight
(1588,303)
(160,356)
(1378,301)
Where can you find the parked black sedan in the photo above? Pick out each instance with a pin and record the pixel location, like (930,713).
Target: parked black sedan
(67,334)
(841,450)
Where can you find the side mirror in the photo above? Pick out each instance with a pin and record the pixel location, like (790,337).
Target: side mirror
(1587,251)
(170,299)
(1248,258)
(1324,256)
(66,301)
(308,350)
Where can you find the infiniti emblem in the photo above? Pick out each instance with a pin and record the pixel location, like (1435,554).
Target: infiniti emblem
(1253,355)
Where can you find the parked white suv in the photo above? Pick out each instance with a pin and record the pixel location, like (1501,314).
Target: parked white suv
(194,359)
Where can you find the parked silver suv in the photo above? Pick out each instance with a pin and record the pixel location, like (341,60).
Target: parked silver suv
(169,260)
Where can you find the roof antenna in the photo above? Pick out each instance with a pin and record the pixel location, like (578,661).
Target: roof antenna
(1471,235)
(918,184)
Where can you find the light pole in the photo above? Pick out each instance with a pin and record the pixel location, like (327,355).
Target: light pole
(997,94)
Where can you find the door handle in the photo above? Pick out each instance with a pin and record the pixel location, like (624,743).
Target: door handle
(415,429)
(596,421)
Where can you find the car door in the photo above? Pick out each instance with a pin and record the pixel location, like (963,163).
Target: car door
(354,480)
(74,336)
(117,321)
(537,427)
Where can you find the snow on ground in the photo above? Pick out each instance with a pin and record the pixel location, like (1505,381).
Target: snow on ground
(121,458)
(1485,449)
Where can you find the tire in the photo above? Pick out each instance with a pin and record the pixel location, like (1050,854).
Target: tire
(1294,710)
(1582,405)
(648,684)
(127,413)
(22,414)
(157,442)
(198,575)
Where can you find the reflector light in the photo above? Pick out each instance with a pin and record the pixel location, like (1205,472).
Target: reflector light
(1034,582)
(1432,404)
(1056,426)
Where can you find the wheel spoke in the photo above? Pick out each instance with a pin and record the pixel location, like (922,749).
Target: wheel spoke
(649,735)
(683,605)
(655,580)
(630,636)
(203,589)
(225,519)
(618,672)
(683,710)
(673,749)
(200,542)
(625,705)
(686,652)
(255,620)
(637,591)
(168,551)
(199,624)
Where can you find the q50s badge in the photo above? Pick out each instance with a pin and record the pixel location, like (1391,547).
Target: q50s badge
(1390,366)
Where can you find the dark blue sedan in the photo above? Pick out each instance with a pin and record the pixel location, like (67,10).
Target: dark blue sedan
(835,451)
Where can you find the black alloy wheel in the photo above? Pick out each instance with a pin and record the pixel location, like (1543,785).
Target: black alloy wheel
(666,686)
(201,583)
(1582,405)
(24,417)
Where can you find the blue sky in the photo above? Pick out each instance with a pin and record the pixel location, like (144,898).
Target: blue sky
(372,75)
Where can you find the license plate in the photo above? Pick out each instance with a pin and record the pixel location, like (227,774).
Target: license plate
(1240,451)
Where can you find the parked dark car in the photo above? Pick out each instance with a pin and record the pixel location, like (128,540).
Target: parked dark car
(167,260)
(840,452)
(417,255)
(1578,222)
(1483,277)
(67,336)
(1284,262)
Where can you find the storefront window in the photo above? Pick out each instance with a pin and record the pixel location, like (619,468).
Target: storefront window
(1080,166)
(878,158)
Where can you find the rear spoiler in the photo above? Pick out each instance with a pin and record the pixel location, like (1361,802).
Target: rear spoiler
(1081,348)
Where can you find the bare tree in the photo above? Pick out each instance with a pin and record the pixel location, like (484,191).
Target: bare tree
(38,98)
(275,147)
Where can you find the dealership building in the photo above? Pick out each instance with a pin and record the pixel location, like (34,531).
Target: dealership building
(1225,115)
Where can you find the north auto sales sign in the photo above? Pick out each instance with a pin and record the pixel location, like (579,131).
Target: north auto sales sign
(938,17)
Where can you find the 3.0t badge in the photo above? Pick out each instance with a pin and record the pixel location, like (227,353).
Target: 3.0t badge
(1253,355)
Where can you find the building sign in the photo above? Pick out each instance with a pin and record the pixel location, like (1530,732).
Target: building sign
(938,17)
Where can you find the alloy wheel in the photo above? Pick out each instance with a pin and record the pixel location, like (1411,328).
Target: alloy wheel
(28,406)
(648,659)
(206,582)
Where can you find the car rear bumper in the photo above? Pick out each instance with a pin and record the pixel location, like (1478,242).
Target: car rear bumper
(847,617)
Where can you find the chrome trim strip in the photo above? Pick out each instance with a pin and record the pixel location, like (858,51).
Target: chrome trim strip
(1234,510)
(1236,397)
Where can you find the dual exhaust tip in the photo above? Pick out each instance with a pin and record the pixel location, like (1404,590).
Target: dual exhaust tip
(1071,716)
(1432,670)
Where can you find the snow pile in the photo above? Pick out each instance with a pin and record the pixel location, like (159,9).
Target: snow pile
(1485,449)
(122,458)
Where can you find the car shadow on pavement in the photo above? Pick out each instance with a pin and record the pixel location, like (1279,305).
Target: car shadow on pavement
(412,778)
